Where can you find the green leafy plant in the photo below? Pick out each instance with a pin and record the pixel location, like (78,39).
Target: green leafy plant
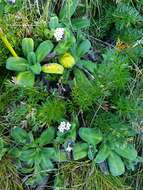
(30,66)
(33,155)
(92,137)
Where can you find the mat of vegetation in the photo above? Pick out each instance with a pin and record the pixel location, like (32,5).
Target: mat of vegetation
(71,95)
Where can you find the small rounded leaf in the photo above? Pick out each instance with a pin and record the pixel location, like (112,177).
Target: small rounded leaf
(20,135)
(25,79)
(116,165)
(90,135)
(83,48)
(53,68)
(102,154)
(43,50)
(36,68)
(17,64)
(128,152)
(27,46)
(31,58)
(54,22)
(80,150)
(47,136)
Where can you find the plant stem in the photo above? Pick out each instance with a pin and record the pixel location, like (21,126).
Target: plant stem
(7,43)
(46,10)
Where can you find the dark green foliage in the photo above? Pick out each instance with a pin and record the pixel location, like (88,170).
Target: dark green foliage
(126,16)
(114,72)
(81,96)
(52,110)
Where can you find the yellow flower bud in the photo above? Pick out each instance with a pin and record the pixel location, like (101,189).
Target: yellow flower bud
(67,60)
(53,68)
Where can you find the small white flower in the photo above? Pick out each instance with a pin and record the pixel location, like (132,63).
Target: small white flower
(68,126)
(14,81)
(59,34)
(69,149)
(61,129)
(64,126)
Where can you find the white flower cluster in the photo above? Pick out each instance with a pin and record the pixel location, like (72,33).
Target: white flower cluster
(64,126)
(59,34)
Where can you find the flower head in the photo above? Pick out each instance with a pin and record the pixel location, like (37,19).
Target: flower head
(59,34)
(69,148)
(64,126)
(67,60)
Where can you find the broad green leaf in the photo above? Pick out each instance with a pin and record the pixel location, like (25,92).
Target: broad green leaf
(89,65)
(64,45)
(60,156)
(49,153)
(20,135)
(53,68)
(28,155)
(116,165)
(14,152)
(46,164)
(43,50)
(80,23)
(36,68)
(128,152)
(72,132)
(31,58)
(27,46)
(91,152)
(103,154)
(90,135)
(83,48)
(80,150)
(54,22)
(68,9)
(25,79)
(47,136)
(17,64)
